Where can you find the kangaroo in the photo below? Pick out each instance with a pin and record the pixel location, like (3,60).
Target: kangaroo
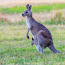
(41,36)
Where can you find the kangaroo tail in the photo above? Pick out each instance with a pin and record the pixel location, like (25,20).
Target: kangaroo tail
(53,49)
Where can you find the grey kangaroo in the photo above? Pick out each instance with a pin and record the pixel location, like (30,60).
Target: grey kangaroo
(41,36)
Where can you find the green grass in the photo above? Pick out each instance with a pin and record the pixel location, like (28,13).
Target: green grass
(40,8)
(16,49)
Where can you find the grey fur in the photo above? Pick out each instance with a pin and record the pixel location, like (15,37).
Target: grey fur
(42,37)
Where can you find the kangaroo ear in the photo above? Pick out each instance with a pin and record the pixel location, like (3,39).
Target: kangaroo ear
(28,6)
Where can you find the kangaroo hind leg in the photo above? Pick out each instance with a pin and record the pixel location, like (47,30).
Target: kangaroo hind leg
(39,48)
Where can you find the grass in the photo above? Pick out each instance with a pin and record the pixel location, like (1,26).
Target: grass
(16,49)
(36,9)
(54,22)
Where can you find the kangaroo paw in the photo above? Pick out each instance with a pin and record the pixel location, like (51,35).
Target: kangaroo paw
(27,37)
(32,42)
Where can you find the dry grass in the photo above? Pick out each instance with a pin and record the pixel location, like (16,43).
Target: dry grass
(42,16)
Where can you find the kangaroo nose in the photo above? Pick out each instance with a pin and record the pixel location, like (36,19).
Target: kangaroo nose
(22,14)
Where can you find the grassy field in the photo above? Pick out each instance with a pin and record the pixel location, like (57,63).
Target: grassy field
(36,9)
(15,49)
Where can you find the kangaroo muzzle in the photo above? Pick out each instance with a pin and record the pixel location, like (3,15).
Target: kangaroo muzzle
(22,14)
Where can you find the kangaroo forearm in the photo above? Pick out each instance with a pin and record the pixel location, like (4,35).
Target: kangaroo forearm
(28,34)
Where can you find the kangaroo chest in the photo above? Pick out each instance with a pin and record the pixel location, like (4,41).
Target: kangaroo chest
(28,23)
(29,26)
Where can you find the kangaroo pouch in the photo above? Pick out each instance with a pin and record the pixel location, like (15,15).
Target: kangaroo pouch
(40,40)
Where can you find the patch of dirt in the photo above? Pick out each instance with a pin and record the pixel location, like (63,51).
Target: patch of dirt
(44,16)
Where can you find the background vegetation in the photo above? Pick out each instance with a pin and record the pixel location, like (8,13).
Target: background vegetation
(16,49)
(36,9)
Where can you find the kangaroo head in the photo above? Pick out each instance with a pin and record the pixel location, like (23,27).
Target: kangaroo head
(28,11)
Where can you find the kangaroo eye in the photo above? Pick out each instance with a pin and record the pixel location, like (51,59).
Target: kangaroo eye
(26,12)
